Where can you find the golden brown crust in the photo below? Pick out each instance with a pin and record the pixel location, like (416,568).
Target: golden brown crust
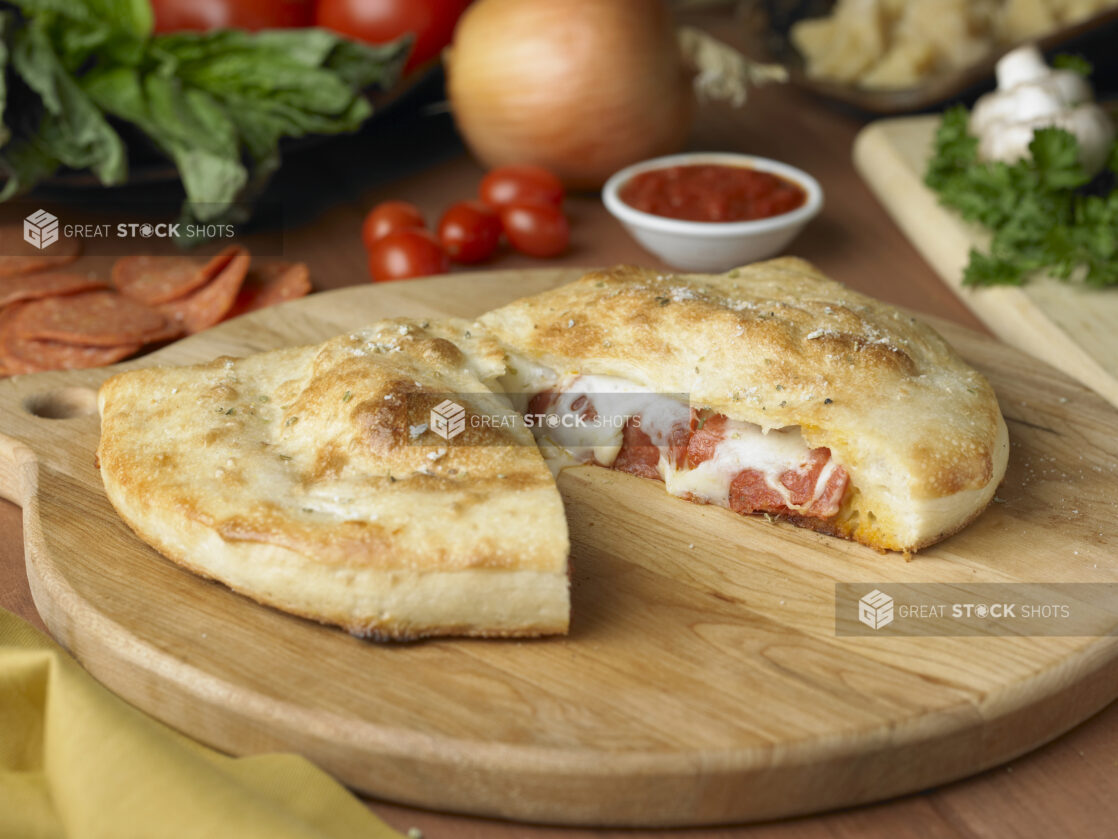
(320,458)
(778,344)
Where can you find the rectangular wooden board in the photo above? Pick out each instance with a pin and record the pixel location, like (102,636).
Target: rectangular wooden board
(1072,327)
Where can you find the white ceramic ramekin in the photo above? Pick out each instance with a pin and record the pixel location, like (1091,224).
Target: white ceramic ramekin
(713,246)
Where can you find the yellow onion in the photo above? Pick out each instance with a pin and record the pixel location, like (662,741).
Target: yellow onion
(580,87)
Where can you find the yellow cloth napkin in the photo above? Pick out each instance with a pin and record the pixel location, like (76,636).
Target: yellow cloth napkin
(77,762)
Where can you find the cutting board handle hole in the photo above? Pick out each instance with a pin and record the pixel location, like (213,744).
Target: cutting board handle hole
(63,403)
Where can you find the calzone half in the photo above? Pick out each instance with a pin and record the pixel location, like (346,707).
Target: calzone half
(770,389)
(310,479)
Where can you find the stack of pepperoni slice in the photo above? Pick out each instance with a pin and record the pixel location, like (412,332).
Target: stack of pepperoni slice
(55,319)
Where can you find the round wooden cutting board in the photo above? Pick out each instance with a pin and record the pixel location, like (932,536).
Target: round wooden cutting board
(702,681)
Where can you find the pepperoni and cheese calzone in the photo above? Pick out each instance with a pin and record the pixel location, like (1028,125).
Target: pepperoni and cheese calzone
(308,478)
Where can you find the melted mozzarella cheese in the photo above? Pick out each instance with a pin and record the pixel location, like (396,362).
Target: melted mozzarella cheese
(614,400)
(745,446)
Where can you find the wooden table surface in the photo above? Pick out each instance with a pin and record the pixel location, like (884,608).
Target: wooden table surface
(1067,788)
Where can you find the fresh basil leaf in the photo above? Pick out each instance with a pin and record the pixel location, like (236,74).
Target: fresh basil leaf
(359,65)
(72,128)
(291,120)
(368,65)
(24,162)
(81,45)
(269,77)
(187,124)
(132,17)
(203,143)
(308,47)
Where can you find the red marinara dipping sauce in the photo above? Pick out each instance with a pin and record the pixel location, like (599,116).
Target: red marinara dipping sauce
(711,192)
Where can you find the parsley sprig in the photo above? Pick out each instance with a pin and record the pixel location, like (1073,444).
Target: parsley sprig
(1040,213)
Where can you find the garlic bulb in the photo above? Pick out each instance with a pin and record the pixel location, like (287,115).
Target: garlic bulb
(1032,95)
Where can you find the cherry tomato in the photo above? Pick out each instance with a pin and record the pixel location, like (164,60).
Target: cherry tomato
(404,254)
(388,217)
(469,231)
(379,21)
(175,15)
(524,184)
(537,230)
